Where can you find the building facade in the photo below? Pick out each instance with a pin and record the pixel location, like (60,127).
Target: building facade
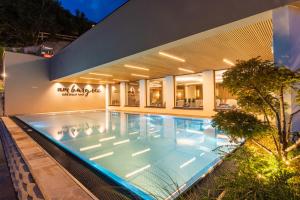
(157,57)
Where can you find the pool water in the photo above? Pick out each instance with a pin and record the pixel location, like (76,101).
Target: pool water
(153,156)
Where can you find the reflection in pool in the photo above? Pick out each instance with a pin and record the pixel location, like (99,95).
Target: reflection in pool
(151,155)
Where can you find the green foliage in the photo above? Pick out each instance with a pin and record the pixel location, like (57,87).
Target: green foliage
(256,75)
(22,20)
(254,104)
(239,124)
(257,84)
(260,176)
(298,97)
(1,67)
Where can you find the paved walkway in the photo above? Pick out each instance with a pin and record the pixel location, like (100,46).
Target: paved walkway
(7,191)
(52,180)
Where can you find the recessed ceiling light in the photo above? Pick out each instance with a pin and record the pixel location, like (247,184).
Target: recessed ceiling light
(97,74)
(106,82)
(140,75)
(88,78)
(186,70)
(120,80)
(228,62)
(171,56)
(136,67)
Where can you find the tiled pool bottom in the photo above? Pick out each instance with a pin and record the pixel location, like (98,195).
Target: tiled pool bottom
(153,156)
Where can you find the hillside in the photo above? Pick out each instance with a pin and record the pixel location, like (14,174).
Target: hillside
(22,20)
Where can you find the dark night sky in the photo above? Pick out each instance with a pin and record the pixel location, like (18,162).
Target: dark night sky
(95,10)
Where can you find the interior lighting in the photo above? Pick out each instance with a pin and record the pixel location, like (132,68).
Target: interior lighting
(229,62)
(171,56)
(97,74)
(120,80)
(136,67)
(186,70)
(140,75)
(88,78)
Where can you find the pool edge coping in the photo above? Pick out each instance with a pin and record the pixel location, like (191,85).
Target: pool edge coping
(73,184)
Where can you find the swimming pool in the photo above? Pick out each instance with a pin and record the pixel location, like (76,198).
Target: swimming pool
(153,156)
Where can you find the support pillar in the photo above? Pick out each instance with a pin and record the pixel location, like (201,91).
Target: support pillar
(122,94)
(107,96)
(169,92)
(143,89)
(208,91)
(286,48)
(286,31)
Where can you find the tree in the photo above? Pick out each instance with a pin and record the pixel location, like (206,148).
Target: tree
(260,87)
(22,20)
(239,124)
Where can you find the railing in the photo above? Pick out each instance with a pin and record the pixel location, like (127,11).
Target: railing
(42,36)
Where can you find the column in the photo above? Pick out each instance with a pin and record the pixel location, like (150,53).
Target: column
(208,91)
(143,89)
(107,96)
(286,31)
(122,94)
(286,48)
(169,92)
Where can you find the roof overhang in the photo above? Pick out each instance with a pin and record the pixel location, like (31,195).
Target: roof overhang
(204,33)
(210,50)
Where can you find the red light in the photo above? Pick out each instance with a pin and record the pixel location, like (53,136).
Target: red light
(47,56)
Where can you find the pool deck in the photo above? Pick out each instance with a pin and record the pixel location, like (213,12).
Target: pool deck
(53,181)
(193,113)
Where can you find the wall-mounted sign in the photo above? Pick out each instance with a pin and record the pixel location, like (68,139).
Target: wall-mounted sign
(75,90)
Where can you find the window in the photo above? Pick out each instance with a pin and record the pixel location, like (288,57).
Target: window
(224,99)
(132,94)
(155,93)
(114,94)
(189,91)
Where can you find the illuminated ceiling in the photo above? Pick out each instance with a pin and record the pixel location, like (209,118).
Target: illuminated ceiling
(215,49)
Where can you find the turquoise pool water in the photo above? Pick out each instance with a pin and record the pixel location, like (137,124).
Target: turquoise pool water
(154,156)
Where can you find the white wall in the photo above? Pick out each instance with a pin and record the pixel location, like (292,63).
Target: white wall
(28,89)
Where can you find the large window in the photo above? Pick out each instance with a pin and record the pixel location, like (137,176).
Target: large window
(114,94)
(224,100)
(155,93)
(189,91)
(132,94)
